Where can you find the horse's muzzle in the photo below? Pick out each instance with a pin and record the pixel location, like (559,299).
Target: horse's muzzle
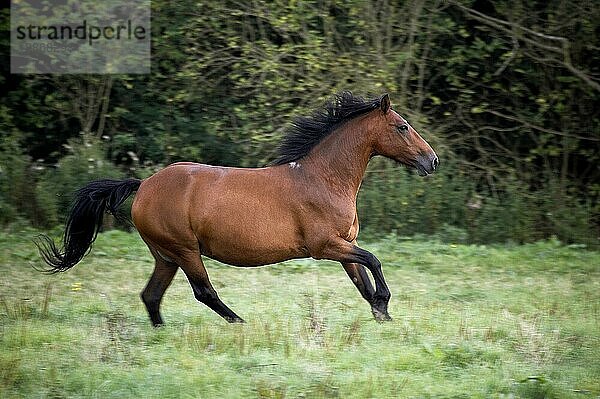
(426,164)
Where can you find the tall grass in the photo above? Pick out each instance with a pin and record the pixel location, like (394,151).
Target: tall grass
(469,321)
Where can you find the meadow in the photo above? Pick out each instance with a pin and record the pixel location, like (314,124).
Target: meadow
(470,321)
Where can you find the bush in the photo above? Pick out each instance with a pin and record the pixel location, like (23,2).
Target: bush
(448,206)
(15,181)
(564,215)
(85,162)
(394,199)
(43,195)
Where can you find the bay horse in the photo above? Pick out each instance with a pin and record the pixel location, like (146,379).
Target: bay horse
(301,205)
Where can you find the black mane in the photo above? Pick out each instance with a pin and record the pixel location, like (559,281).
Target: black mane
(306,132)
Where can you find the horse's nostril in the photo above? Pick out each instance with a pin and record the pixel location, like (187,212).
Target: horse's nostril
(436,162)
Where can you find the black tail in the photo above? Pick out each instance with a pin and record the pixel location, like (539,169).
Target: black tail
(85,219)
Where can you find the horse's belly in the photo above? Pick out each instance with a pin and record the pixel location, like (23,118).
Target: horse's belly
(247,251)
(253,259)
(250,238)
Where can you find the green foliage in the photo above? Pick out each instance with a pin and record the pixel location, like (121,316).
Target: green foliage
(395,199)
(85,162)
(448,206)
(13,186)
(15,174)
(41,194)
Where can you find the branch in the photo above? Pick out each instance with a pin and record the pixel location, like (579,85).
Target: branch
(516,31)
(506,63)
(539,128)
(495,22)
(105,100)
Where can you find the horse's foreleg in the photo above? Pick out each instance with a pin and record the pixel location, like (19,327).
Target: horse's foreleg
(157,285)
(359,277)
(204,292)
(346,252)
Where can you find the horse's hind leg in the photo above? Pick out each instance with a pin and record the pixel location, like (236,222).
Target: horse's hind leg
(204,292)
(160,280)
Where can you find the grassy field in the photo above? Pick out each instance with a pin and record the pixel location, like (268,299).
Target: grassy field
(469,321)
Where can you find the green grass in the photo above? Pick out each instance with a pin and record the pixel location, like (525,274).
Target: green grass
(469,321)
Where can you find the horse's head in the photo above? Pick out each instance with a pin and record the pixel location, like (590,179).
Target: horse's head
(395,138)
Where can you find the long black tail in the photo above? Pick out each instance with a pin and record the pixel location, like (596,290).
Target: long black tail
(84,222)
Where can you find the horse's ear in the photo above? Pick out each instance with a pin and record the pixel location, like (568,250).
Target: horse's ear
(384,103)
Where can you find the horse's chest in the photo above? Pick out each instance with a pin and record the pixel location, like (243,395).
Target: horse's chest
(340,219)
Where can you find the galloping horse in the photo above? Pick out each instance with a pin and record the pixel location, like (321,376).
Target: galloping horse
(302,205)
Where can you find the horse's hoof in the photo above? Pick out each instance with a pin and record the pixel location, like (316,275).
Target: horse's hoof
(381,316)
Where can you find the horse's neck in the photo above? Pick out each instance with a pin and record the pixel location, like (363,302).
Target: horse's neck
(341,159)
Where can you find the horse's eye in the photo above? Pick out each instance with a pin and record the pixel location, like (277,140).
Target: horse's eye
(402,129)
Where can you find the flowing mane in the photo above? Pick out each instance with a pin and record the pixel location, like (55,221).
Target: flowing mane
(306,132)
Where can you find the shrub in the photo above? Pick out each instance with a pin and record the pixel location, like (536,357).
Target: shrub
(85,162)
